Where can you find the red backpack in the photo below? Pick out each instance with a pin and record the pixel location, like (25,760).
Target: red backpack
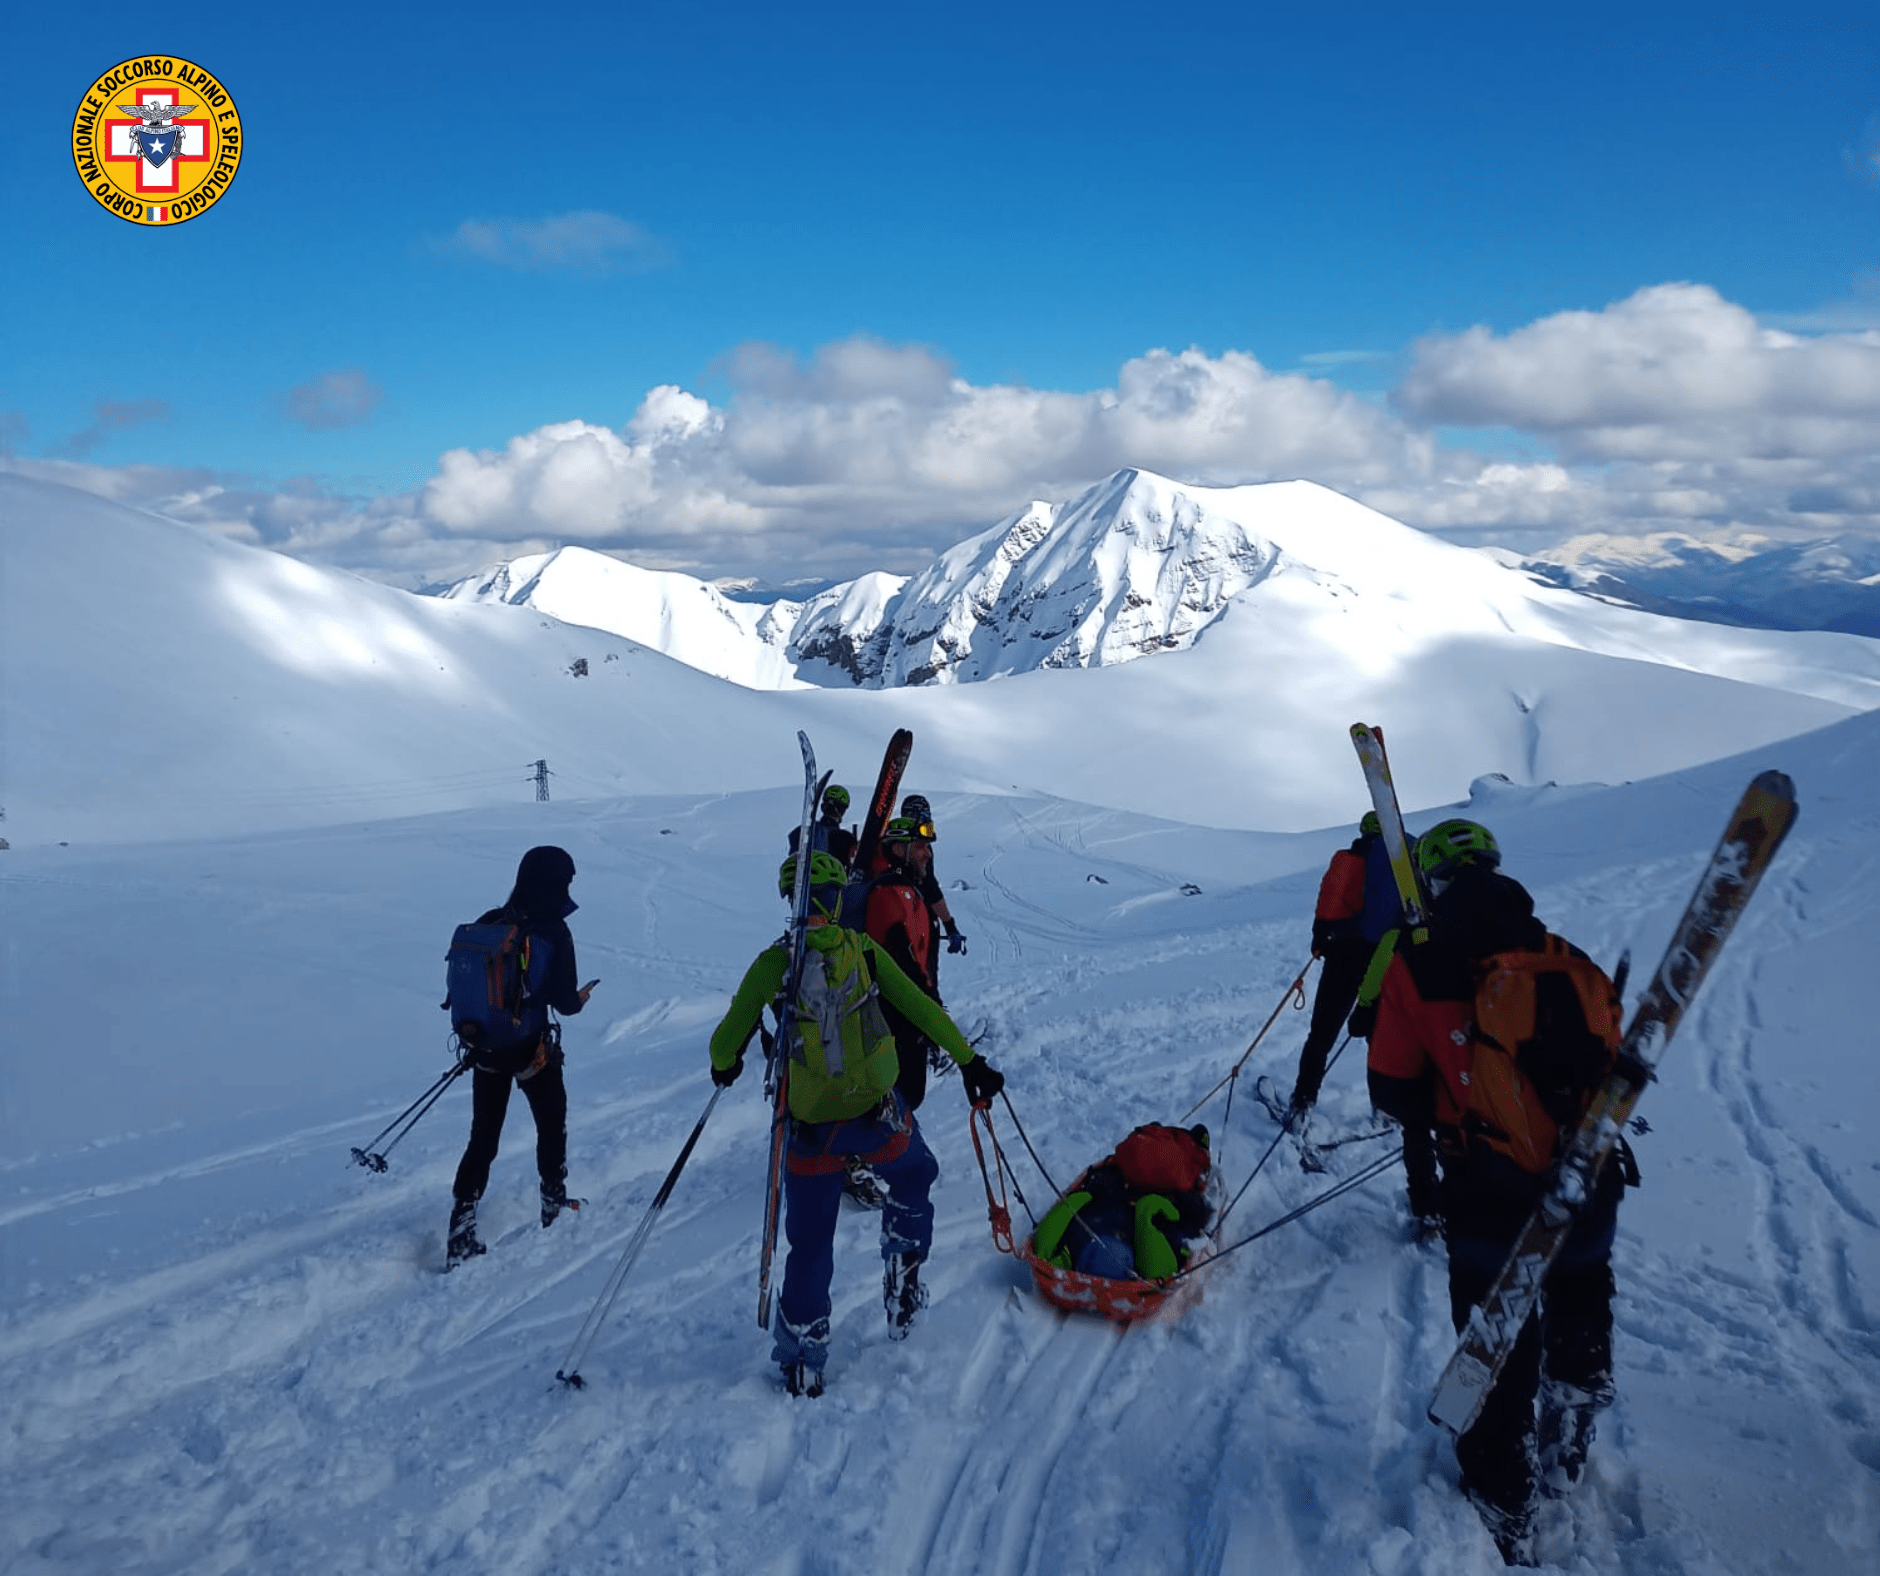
(1160,1159)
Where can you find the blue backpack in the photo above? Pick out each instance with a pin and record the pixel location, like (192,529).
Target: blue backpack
(494,971)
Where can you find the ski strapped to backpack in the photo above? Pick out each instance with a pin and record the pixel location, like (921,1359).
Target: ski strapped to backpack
(1545,1036)
(881,803)
(778,1053)
(1756,828)
(1369,743)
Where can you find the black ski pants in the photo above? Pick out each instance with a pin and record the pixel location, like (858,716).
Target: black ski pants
(1568,1338)
(547,1095)
(1345,963)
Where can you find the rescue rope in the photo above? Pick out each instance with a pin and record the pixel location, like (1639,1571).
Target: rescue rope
(1356,1179)
(1020,1128)
(1259,1166)
(998,1211)
(1296,994)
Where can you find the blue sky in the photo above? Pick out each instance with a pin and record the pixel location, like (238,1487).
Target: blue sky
(456,227)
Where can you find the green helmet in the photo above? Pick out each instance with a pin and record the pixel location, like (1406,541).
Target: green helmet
(1449,845)
(835,797)
(906,829)
(1370,826)
(827,876)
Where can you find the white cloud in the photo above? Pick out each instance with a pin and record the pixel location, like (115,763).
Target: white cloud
(585,242)
(1674,372)
(1673,410)
(887,443)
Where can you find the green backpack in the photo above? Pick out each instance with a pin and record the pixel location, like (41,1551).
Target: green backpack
(845,1061)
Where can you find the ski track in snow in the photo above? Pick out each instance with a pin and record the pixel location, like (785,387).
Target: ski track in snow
(297,1389)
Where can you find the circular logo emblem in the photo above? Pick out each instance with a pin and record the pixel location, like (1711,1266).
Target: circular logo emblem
(157,140)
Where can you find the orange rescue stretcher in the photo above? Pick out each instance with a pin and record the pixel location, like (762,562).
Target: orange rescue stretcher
(1126,1301)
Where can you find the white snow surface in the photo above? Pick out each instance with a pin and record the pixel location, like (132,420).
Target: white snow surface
(225,1347)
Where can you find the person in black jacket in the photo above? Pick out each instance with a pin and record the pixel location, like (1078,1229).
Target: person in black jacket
(540,905)
(1420,1063)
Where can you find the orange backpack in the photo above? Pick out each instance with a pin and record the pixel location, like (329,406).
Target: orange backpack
(1546,1034)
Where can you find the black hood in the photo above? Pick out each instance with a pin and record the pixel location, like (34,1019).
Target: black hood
(1483,911)
(541,887)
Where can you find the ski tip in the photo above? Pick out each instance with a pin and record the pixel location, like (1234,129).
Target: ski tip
(1777,787)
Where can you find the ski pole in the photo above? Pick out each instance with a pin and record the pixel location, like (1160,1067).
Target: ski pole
(570,1371)
(371,1156)
(1295,993)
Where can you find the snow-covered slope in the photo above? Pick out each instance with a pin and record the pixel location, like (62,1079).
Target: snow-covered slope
(685,618)
(226,1348)
(235,688)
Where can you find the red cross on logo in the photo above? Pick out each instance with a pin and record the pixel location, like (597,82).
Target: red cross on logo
(191,145)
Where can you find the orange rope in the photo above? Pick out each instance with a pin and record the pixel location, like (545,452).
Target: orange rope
(998,1211)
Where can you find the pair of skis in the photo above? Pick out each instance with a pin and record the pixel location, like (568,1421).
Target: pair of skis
(781,1051)
(1761,819)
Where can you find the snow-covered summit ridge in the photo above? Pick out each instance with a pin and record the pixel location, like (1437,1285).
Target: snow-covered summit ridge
(685,618)
(1140,565)
(1133,566)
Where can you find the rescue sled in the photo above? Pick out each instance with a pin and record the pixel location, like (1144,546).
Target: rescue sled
(1124,1299)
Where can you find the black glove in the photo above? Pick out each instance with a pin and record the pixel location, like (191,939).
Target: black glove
(725,1077)
(1321,936)
(983,1081)
(955,941)
(1363,1020)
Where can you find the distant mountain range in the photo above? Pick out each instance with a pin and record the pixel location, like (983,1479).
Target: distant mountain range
(1138,565)
(1831,584)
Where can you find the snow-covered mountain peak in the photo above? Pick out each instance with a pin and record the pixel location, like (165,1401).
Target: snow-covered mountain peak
(674,613)
(1134,565)
(1139,565)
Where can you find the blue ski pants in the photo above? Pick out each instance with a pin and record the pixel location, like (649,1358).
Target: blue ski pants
(811,1203)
